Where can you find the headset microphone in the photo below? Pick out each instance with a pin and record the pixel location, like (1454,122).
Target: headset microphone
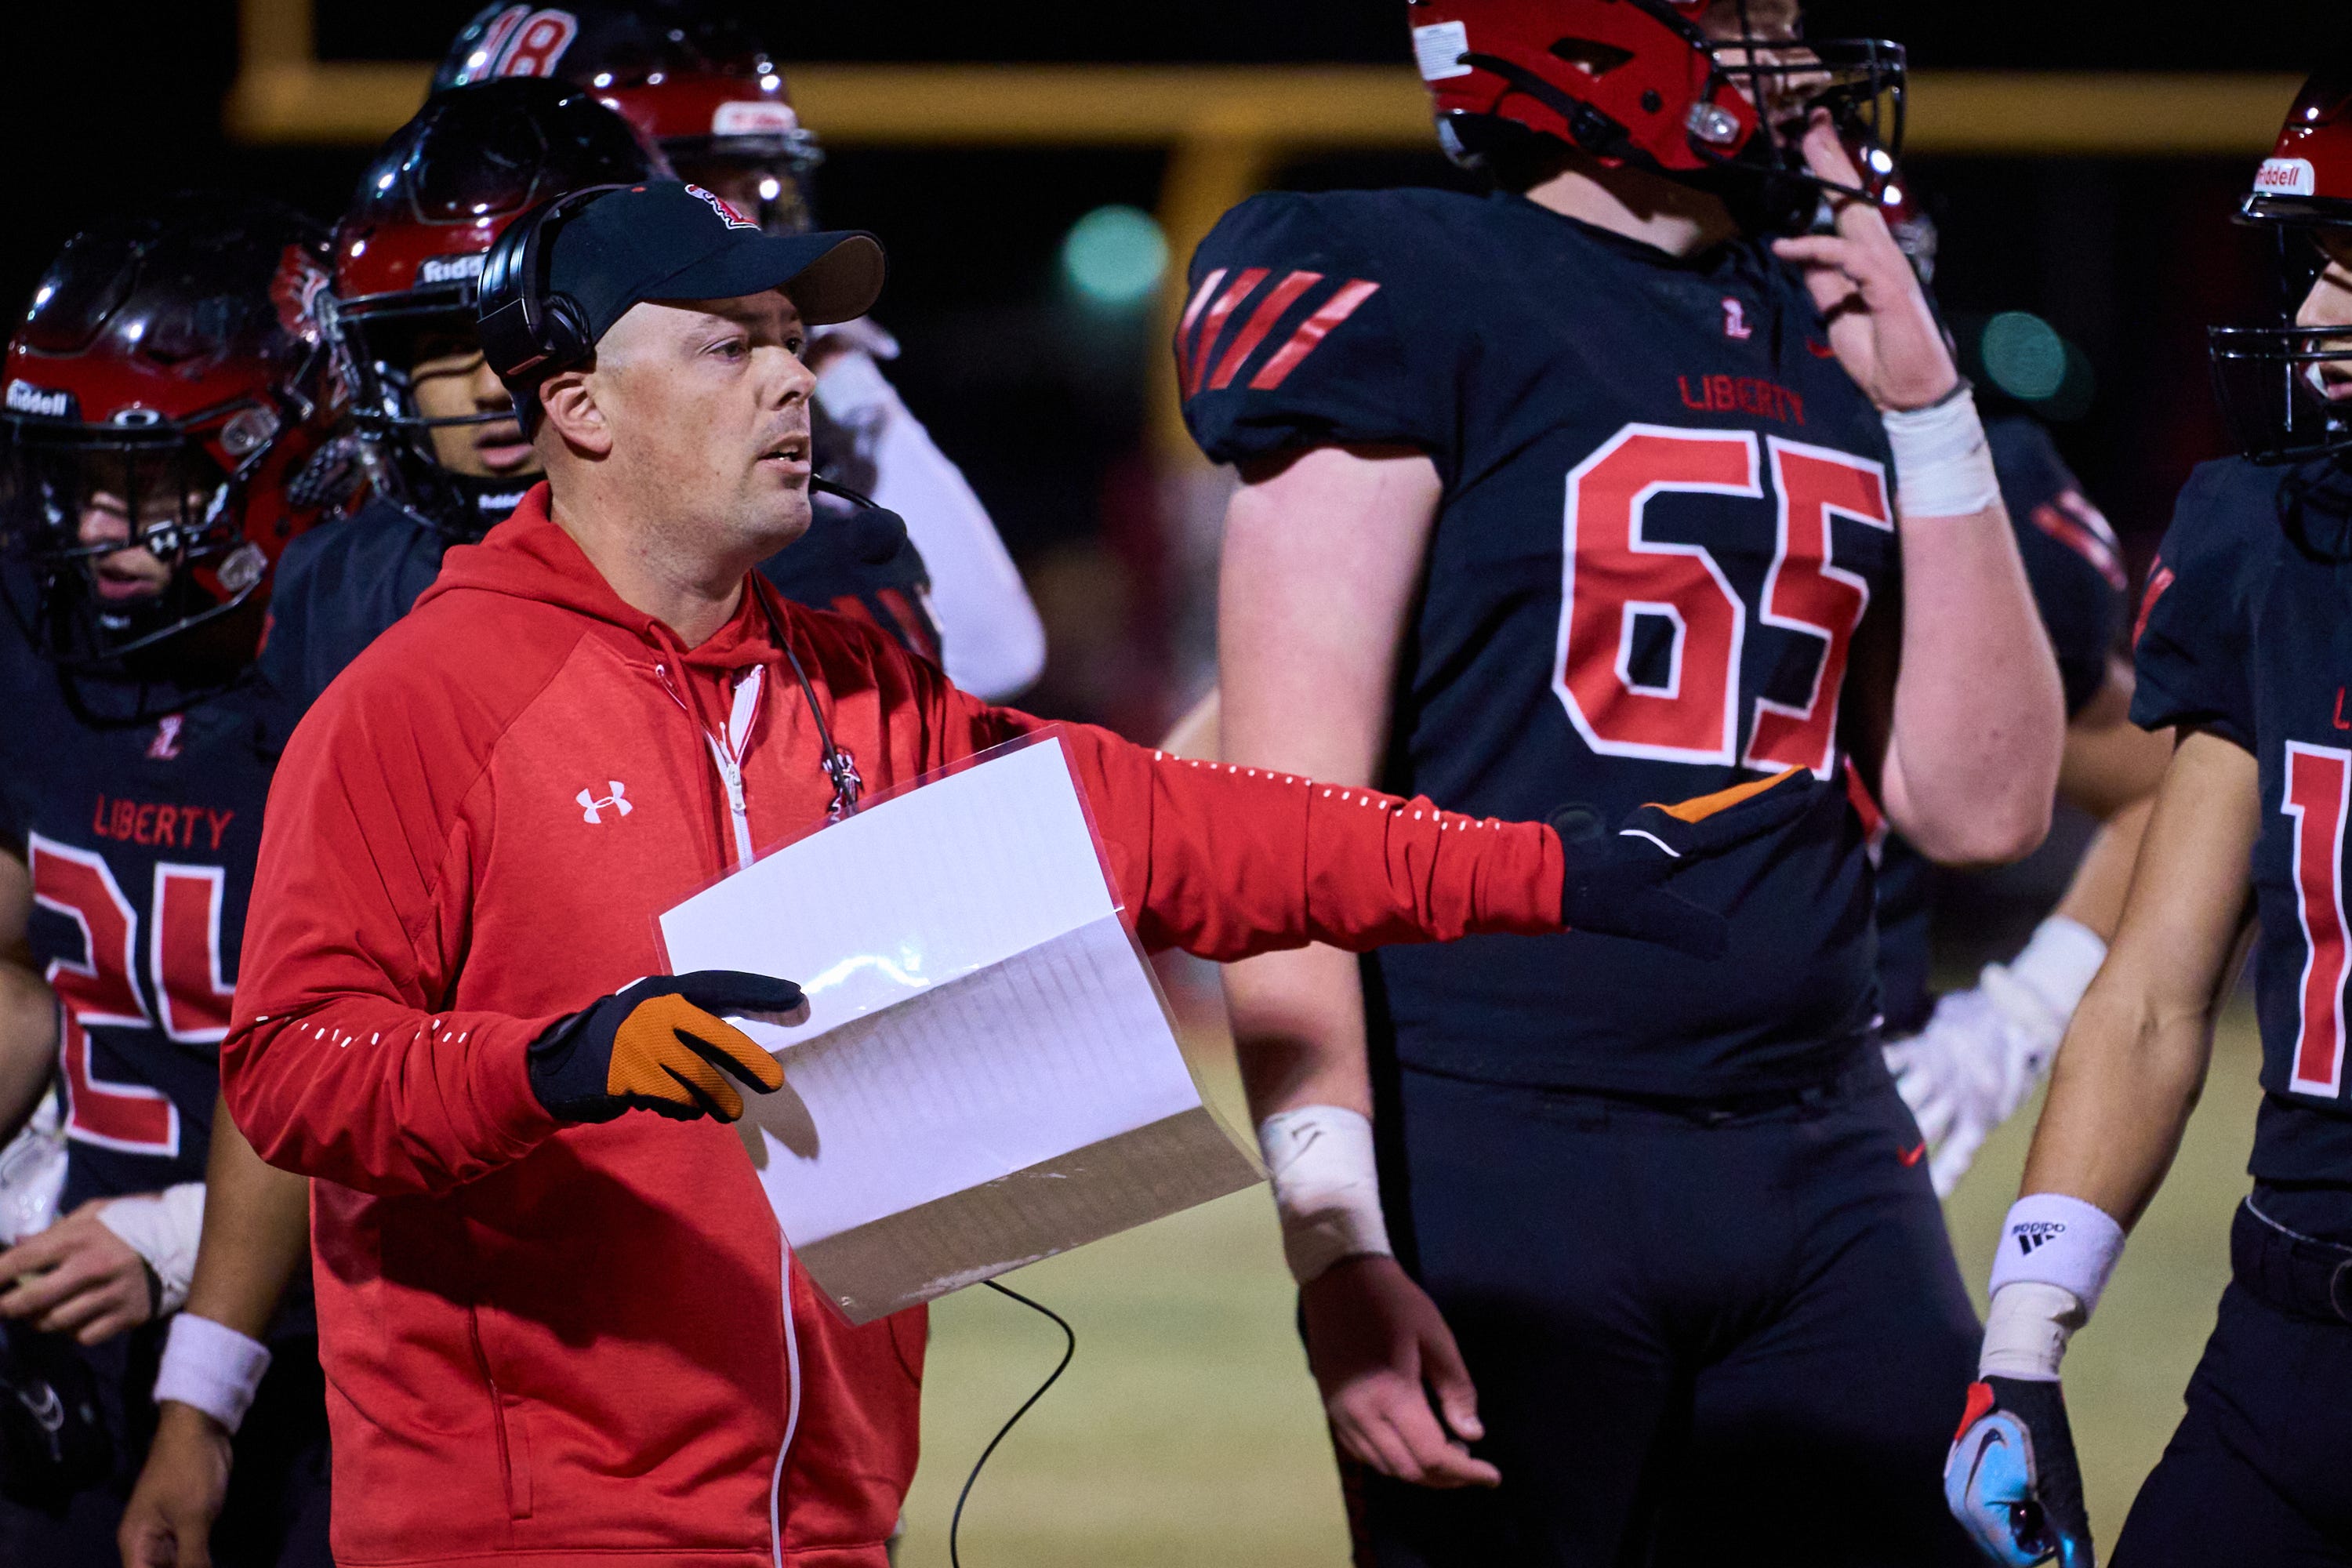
(881,532)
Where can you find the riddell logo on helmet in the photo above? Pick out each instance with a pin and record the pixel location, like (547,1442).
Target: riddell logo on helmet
(2285,177)
(721,205)
(451,269)
(757,117)
(24,397)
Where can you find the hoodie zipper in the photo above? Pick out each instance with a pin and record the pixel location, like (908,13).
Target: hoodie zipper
(727,753)
(727,750)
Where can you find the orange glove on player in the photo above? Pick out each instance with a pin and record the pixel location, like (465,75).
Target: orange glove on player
(1616,881)
(659,1045)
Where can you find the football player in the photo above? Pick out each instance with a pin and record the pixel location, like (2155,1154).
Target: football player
(169,413)
(1966,1062)
(2242,621)
(438,432)
(711,93)
(1596,484)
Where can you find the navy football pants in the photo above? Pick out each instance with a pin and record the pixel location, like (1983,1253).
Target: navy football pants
(2260,1469)
(1698,1338)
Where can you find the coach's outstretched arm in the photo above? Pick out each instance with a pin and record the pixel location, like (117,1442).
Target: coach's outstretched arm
(360,949)
(1979,716)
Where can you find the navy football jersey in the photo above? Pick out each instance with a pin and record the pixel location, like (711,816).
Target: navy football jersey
(2074,567)
(138,810)
(2247,635)
(1665,512)
(340,586)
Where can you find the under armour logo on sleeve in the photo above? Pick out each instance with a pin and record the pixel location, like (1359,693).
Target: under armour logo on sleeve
(591,805)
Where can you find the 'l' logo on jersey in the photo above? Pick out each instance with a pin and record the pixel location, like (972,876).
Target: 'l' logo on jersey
(1199,364)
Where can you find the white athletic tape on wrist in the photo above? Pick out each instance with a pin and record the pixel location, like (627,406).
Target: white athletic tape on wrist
(2060,962)
(2026,1331)
(1942,466)
(212,1367)
(1326,1186)
(2050,1238)
(163,1228)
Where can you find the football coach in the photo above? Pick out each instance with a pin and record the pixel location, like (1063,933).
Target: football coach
(557,1329)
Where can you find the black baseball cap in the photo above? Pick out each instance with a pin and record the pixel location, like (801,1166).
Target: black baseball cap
(669,240)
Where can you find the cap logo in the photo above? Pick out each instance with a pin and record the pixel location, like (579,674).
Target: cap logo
(757,118)
(2285,177)
(451,269)
(722,206)
(24,397)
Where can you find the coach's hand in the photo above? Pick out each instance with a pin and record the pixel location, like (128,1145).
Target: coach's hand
(1616,881)
(1379,1350)
(660,1045)
(2011,1480)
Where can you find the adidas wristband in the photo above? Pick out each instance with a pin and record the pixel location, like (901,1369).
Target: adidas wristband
(211,1367)
(1326,1187)
(1943,468)
(2050,1238)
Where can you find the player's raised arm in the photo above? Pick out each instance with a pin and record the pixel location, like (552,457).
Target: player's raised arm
(1979,715)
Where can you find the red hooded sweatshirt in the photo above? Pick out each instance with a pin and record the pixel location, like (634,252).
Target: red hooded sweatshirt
(589,1344)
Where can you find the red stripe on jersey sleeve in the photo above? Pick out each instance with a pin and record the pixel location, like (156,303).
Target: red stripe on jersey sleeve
(2074,522)
(1184,353)
(1227,302)
(1261,322)
(1313,330)
(2159,578)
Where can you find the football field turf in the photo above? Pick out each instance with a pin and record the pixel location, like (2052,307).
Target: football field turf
(1187,1431)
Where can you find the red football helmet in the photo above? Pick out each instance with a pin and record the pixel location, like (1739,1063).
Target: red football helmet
(2274,382)
(691,78)
(1640,82)
(172,373)
(409,252)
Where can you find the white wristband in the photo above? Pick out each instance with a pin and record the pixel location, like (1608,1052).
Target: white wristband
(163,1228)
(211,1367)
(2026,1331)
(2050,1238)
(1942,466)
(1326,1186)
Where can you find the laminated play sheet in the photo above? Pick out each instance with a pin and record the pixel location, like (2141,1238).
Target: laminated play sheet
(988,1075)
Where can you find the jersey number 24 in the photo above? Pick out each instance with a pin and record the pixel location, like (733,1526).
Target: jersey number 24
(1616,577)
(184,963)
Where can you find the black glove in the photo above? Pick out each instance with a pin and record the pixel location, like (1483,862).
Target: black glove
(2011,1480)
(1616,881)
(659,1045)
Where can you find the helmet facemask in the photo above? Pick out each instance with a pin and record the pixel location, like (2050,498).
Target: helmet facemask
(2273,380)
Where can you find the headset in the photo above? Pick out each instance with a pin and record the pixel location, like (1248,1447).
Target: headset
(528,334)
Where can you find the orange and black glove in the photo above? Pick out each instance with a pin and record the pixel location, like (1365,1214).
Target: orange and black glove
(660,1045)
(1616,881)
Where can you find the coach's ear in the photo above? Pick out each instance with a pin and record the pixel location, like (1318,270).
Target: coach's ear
(571,414)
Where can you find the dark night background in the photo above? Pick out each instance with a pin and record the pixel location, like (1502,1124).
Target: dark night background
(1042,402)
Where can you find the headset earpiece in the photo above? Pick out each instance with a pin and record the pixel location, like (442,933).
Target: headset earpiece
(527,334)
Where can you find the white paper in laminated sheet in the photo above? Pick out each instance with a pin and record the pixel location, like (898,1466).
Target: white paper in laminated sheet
(988,1074)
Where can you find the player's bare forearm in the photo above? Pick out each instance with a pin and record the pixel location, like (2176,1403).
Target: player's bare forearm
(1979,718)
(2135,1059)
(28,1009)
(257,1233)
(2110,761)
(1321,559)
(2095,897)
